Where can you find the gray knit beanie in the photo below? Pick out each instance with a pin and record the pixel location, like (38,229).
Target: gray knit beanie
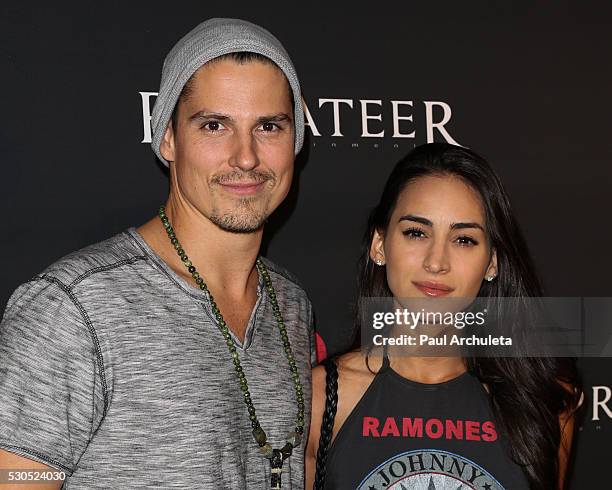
(211,39)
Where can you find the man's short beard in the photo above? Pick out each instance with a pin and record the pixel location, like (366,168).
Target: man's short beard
(247,221)
(244,218)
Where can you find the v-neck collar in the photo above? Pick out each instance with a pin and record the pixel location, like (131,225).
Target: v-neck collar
(202,296)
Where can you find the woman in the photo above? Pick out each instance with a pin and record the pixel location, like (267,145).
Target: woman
(443,228)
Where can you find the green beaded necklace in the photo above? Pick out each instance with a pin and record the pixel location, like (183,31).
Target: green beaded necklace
(276,456)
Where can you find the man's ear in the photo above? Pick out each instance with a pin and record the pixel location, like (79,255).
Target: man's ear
(377,249)
(166,148)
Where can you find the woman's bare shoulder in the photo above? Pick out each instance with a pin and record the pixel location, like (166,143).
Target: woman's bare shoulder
(356,364)
(354,376)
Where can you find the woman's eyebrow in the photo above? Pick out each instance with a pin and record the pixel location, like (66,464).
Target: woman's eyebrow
(458,226)
(417,219)
(453,226)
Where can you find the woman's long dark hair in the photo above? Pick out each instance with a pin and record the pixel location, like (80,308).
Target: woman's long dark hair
(525,394)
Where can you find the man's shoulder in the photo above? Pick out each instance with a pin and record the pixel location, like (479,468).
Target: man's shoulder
(107,254)
(287,279)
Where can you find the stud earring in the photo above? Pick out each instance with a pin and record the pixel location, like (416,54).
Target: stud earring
(490,278)
(378,262)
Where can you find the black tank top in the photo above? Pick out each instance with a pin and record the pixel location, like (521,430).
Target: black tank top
(406,435)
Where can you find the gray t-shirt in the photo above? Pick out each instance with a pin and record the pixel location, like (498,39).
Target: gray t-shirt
(113,370)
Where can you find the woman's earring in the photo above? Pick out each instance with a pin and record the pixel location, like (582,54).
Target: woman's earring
(490,278)
(378,262)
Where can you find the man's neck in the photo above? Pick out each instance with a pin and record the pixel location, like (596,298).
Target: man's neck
(225,260)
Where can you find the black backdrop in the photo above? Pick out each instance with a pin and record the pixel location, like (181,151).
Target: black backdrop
(527,86)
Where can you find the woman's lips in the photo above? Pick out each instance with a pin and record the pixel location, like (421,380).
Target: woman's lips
(432,288)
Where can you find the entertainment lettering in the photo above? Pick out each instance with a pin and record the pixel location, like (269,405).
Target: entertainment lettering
(378,118)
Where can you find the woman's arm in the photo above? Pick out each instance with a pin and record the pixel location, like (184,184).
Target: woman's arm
(318,406)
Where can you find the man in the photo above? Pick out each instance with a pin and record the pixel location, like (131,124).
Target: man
(168,355)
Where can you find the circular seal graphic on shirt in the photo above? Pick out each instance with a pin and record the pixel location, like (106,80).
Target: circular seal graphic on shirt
(429,470)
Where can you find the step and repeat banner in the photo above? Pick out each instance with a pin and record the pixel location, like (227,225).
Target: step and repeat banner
(526,86)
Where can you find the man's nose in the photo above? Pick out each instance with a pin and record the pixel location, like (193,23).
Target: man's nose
(244,152)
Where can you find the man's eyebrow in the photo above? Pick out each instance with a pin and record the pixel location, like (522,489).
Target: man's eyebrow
(209,115)
(280,117)
(453,226)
